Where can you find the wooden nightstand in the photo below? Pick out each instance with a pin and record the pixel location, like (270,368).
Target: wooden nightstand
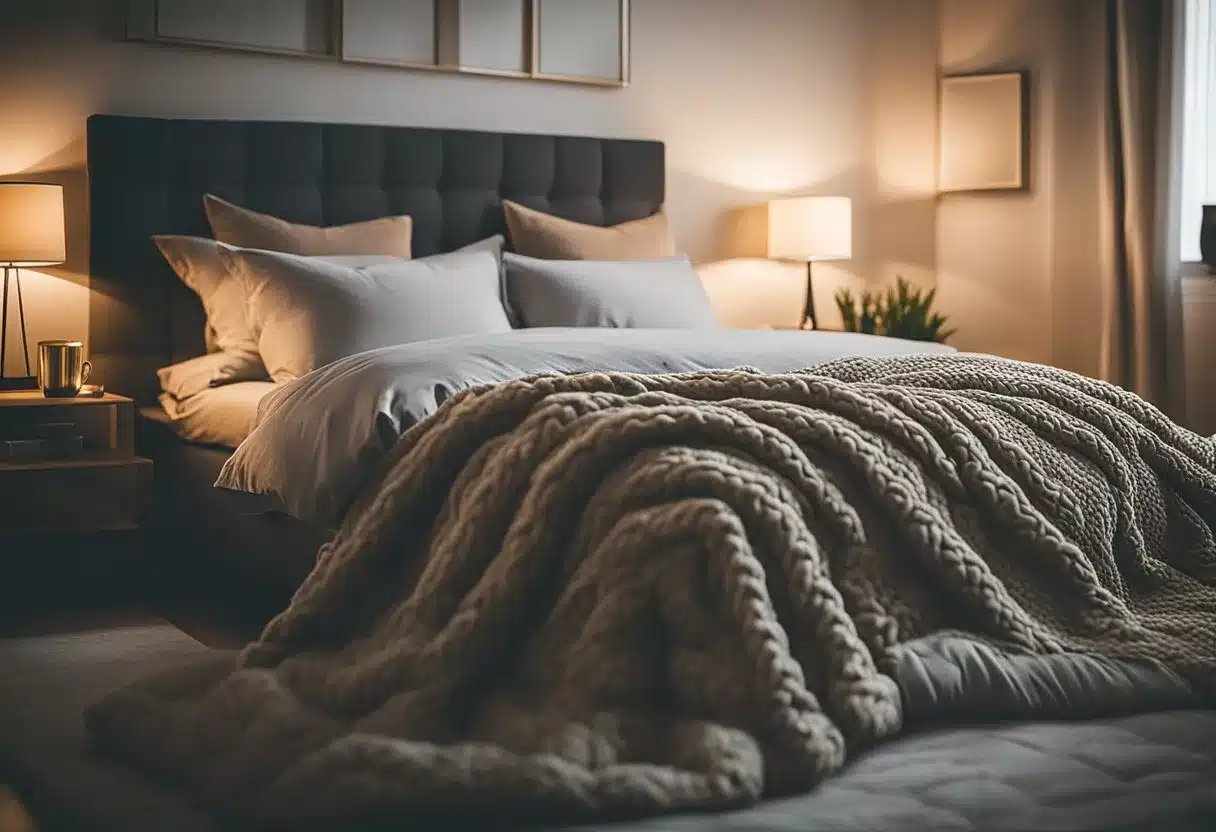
(74,520)
(105,487)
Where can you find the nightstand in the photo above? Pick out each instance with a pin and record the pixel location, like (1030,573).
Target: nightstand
(72,520)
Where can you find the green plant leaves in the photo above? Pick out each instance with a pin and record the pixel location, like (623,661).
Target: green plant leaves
(902,311)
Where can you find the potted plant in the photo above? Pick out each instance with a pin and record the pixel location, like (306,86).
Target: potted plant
(902,311)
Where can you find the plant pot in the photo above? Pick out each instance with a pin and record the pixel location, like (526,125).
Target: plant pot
(1207,235)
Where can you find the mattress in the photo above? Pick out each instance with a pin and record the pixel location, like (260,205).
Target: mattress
(201,528)
(1148,772)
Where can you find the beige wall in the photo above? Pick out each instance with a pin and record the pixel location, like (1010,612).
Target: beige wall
(753,99)
(1018,272)
(900,237)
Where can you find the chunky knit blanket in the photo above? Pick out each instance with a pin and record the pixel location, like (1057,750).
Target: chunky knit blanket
(604,595)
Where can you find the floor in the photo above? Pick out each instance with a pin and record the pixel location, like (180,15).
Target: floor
(58,600)
(214,629)
(43,592)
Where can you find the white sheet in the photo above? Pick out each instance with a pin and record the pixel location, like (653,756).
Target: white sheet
(322,436)
(217,415)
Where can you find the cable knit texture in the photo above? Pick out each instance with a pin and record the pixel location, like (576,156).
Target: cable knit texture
(609,595)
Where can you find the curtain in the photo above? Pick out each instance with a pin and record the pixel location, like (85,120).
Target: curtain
(1142,326)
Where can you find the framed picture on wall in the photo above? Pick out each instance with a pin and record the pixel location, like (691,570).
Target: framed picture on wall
(569,41)
(984,132)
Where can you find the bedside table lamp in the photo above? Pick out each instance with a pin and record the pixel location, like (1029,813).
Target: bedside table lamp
(810,229)
(31,234)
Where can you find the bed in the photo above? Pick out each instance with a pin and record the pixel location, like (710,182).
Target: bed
(1149,771)
(214,535)
(148,176)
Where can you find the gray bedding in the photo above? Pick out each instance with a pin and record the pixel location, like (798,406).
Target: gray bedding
(1147,773)
(321,437)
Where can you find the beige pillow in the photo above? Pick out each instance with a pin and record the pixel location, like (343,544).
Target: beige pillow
(544,236)
(243,228)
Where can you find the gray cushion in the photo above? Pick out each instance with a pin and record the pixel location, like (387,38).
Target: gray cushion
(307,313)
(641,294)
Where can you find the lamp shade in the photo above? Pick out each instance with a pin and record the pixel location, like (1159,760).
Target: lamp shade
(31,224)
(810,228)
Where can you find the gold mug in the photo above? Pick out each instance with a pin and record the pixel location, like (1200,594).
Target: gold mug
(62,370)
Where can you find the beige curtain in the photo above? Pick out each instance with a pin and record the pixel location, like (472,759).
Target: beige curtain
(1142,328)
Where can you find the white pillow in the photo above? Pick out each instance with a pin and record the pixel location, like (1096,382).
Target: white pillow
(198,263)
(308,312)
(638,294)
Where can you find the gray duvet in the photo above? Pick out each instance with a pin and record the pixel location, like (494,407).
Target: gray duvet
(1148,773)
(321,437)
(641,595)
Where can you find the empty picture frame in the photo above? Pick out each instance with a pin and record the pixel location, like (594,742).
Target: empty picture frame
(984,140)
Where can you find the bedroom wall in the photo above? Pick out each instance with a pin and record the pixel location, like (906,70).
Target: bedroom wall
(753,99)
(1018,273)
(1021,274)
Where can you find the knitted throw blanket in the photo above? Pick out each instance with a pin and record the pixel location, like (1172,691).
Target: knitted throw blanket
(599,595)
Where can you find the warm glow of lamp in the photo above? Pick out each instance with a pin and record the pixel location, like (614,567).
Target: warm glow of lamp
(810,229)
(31,234)
(31,224)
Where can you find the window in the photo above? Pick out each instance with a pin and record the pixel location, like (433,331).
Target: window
(1199,131)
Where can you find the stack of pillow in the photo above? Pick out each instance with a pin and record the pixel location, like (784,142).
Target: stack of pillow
(283,299)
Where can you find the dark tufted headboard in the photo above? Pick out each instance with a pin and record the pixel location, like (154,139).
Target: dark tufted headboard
(148,176)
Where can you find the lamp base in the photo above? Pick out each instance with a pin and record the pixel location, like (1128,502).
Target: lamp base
(9,384)
(810,321)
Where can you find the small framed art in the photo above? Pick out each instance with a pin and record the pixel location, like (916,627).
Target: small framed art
(984,138)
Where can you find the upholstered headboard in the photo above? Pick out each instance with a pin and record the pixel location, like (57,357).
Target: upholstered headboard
(148,176)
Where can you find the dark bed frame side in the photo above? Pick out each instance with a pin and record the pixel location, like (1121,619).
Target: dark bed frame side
(148,175)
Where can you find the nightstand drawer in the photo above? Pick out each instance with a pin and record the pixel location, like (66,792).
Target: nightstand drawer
(74,495)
